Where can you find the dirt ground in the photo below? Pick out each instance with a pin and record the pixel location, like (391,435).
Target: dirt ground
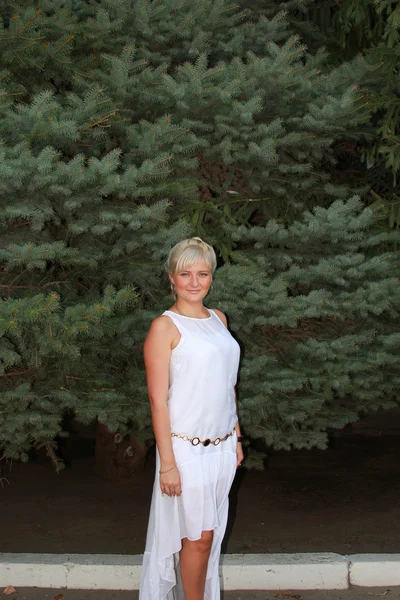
(345,499)
(392,593)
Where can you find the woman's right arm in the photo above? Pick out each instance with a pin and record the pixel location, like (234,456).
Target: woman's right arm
(157,356)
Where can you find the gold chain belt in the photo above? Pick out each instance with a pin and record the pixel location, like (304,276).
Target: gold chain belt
(195,441)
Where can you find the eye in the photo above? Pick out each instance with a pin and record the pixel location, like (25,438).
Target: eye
(203,274)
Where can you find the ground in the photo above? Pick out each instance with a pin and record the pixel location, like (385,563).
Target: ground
(344,499)
(391,593)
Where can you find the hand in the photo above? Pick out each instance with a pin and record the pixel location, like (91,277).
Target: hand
(170,483)
(239,454)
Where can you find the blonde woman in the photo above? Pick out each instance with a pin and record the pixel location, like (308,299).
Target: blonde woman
(191,366)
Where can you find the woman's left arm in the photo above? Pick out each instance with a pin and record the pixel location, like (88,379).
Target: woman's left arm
(239,448)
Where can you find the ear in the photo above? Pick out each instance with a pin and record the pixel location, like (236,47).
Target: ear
(171,277)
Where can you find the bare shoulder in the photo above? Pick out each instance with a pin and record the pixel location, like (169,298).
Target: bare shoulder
(162,322)
(221,315)
(157,349)
(162,326)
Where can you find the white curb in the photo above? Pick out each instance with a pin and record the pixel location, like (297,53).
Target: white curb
(324,571)
(73,571)
(238,571)
(374,569)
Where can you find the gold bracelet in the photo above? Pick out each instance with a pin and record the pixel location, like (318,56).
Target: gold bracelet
(168,470)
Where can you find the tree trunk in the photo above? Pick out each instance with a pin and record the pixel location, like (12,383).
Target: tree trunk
(117,457)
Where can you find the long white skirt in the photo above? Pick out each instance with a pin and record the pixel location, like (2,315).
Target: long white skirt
(207,474)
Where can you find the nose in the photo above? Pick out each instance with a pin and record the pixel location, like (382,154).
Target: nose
(193,280)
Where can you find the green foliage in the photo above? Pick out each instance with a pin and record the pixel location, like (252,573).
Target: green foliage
(126,125)
(370,28)
(375,24)
(80,349)
(249,113)
(315,306)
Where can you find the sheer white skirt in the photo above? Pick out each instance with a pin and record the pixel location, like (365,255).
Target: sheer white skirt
(207,474)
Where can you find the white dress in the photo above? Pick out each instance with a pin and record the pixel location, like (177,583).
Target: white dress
(201,403)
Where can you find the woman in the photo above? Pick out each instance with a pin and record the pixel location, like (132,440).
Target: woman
(191,366)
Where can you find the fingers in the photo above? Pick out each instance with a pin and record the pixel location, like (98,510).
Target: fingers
(171,490)
(170,483)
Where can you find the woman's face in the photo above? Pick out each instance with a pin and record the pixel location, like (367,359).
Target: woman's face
(192,284)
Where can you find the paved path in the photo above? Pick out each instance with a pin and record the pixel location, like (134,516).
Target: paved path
(392,593)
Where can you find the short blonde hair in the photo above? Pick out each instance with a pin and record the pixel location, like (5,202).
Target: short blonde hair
(189,252)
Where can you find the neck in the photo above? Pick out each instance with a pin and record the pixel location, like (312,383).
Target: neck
(198,310)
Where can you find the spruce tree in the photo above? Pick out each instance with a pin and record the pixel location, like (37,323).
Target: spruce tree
(372,29)
(125,126)
(316,307)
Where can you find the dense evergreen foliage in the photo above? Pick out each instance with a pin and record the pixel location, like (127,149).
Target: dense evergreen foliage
(127,125)
(316,307)
(372,29)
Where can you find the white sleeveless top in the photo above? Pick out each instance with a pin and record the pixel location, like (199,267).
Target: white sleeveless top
(202,376)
